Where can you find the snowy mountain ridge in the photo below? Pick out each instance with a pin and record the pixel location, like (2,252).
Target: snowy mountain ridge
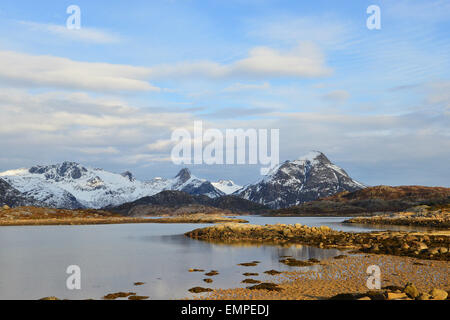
(71,185)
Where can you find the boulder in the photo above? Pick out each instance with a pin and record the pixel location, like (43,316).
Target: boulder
(443,250)
(411,291)
(438,294)
(396,296)
(422,246)
(424,296)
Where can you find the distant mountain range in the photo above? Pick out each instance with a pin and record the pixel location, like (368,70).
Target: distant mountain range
(71,185)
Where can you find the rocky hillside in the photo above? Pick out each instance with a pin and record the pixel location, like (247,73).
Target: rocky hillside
(306,179)
(372,199)
(184,202)
(412,193)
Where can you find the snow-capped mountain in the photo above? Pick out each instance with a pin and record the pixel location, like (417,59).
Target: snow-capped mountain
(71,185)
(226,186)
(13,198)
(186,182)
(293,182)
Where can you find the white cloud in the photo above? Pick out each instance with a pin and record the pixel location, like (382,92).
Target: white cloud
(100,150)
(236,87)
(84,34)
(304,61)
(49,71)
(21,69)
(337,96)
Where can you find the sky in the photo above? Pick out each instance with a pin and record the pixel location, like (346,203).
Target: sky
(110,95)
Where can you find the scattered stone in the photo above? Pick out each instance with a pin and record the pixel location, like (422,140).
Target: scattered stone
(199,290)
(248,264)
(250,281)
(139,283)
(212,273)
(208,280)
(272,272)
(265,286)
(196,270)
(313,260)
(438,294)
(113,296)
(396,296)
(411,290)
(424,296)
(48,298)
(138,298)
(250,274)
(296,263)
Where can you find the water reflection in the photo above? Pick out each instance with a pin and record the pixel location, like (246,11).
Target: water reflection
(33,259)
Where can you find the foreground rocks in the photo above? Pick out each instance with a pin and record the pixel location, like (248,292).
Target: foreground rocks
(408,292)
(420,245)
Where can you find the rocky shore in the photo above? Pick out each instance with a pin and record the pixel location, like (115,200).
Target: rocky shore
(434,246)
(423,216)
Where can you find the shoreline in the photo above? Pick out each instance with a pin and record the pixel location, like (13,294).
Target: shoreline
(346,276)
(31,216)
(434,245)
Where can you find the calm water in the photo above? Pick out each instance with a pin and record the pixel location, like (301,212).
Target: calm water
(33,259)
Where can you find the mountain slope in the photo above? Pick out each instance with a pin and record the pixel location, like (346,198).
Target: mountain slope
(226,186)
(13,197)
(179,199)
(294,182)
(186,182)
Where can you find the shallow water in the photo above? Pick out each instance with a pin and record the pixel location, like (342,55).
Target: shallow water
(33,259)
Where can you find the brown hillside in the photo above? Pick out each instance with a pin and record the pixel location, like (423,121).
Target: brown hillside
(393,193)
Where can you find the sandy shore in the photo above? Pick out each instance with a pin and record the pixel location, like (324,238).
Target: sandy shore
(347,275)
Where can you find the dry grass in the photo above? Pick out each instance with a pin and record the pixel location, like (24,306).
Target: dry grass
(24,216)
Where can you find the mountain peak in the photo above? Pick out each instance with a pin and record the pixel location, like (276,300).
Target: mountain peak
(184,175)
(308,178)
(59,171)
(314,156)
(129,175)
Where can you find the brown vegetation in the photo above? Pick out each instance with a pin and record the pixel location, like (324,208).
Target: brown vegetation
(46,216)
(424,216)
(371,200)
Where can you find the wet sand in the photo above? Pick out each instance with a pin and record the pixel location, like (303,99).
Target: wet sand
(346,275)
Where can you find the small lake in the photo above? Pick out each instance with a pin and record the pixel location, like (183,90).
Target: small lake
(34,259)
